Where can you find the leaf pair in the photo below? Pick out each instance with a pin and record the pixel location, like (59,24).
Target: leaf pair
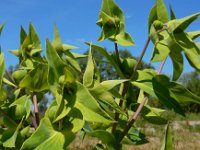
(168,92)
(170,38)
(111,21)
(29,44)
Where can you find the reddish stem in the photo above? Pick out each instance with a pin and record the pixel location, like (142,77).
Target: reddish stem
(139,109)
(36,109)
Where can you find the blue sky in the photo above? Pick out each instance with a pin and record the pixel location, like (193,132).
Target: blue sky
(76,22)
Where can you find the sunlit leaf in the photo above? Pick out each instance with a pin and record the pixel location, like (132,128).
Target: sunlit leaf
(172,15)
(56,64)
(12,140)
(109,58)
(46,137)
(88,106)
(36,80)
(88,77)
(190,49)
(161,11)
(99,92)
(111,20)
(22,106)
(193,35)
(153,115)
(179,25)
(182,94)
(152,17)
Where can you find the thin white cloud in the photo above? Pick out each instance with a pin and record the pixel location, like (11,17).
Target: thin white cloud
(81,40)
(128,16)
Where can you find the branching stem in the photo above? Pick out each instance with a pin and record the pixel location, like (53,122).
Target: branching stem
(126,84)
(139,109)
(133,118)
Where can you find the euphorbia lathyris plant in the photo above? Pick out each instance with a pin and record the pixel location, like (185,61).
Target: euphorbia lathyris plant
(85,104)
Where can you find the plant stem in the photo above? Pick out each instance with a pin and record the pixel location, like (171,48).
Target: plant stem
(161,66)
(139,109)
(123,92)
(37,118)
(142,55)
(117,54)
(33,121)
(133,118)
(126,84)
(8,117)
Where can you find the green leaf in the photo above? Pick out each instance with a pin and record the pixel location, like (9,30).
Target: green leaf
(23,106)
(134,137)
(6,81)
(15,52)
(193,35)
(34,38)
(88,106)
(161,88)
(67,47)
(177,60)
(172,15)
(152,17)
(167,140)
(182,94)
(18,75)
(109,58)
(179,25)
(57,43)
(160,52)
(190,49)
(111,21)
(152,115)
(23,35)
(46,137)
(12,140)
(1,27)
(2,70)
(76,121)
(110,84)
(56,64)
(106,137)
(88,77)
(74,63)
(161,11)
(143,80)
(36,80)
(99,92)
